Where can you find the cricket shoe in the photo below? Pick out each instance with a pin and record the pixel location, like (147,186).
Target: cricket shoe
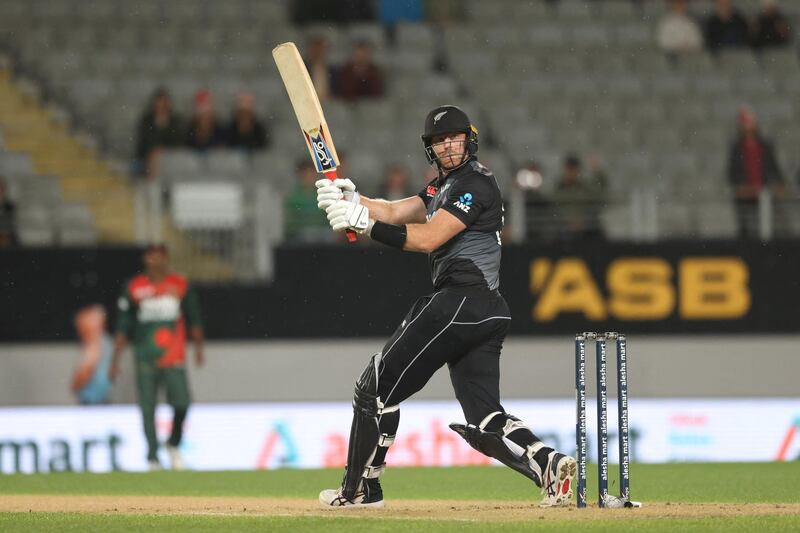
(370,495)
(154,466)
(557,480)
(175,458)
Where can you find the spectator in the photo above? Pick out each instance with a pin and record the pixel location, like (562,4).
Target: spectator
(395,185)
(159,127)
(576,203)
(751,165)
(597,174)
(204,130)
(360,77)
(8,233)
(726,27)
(90,381)
(246,130)
(771,27)
(322,74)
(677,31)
(304,222)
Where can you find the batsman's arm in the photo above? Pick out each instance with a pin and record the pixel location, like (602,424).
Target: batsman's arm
(405,211)
(425,237)
(431,235)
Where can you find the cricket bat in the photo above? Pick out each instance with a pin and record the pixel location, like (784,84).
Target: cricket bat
(309,112)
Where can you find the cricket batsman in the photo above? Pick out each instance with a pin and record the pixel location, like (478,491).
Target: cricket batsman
(456,219)
(156,310)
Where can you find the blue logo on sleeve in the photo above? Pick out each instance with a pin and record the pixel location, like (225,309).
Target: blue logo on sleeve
(464,202)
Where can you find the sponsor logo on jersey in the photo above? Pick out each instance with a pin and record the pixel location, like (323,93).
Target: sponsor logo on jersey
(323,159)
(464,202)
(164,308)
(431,191)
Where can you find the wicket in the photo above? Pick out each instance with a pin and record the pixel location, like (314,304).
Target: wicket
(602,416)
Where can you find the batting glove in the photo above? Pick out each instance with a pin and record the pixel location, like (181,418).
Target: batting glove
(330,192)
(344,215)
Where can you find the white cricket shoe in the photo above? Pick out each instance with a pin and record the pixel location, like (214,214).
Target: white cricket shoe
(557,480)
(154,466)
(370,495)
(175,458)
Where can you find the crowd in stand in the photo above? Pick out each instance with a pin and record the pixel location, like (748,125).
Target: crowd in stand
(161,127)
(752,163)
(724,27)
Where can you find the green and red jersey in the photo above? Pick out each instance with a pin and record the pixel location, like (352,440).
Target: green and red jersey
(154,317)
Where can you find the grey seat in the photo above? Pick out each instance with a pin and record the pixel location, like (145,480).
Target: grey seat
(412,61)
(634,35)
(716,219)
(179,164)
(227,164)
(625,86)
(712,85)
(414,35)
(738,62)
(75,225)
(546,36)
(16,164)
(277,168)
(670,85)
(590,36)
(35,227)
(372,32)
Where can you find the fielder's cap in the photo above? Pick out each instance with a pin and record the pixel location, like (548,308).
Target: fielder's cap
(446,119)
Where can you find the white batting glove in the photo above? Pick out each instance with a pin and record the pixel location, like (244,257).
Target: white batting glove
(344,215)
(329,192)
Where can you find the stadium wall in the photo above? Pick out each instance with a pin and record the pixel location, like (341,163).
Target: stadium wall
(673,287)
(690,366)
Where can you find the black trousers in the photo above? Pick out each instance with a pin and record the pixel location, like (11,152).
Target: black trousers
(462,329)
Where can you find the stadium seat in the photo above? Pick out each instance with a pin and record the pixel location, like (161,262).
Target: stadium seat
(179,164)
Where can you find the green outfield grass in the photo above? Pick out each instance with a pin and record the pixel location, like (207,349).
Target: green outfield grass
(777,483)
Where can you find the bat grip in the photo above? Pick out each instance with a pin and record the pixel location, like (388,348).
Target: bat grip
(351,235)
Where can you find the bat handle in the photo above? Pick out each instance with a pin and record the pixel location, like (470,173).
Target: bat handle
(351,235)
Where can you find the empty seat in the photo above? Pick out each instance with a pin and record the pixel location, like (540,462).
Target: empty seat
(546,36)
(15,164)
(179,164)
(207,205)
(713,85)
(35,225)
(738,62)
(590,36)
(716,219)
(414,35)
(227,164)
(636,35)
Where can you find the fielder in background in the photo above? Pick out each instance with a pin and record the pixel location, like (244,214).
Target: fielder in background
(90,381)
(456,219)
(155,311)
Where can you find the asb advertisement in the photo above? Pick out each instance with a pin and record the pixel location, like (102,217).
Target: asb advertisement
(309,435)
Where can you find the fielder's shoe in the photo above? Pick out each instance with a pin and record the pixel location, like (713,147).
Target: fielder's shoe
(370,495)
(175,458)
(557,480)
(153,465)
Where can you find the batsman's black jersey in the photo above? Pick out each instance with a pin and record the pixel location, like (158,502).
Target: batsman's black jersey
(471,259)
